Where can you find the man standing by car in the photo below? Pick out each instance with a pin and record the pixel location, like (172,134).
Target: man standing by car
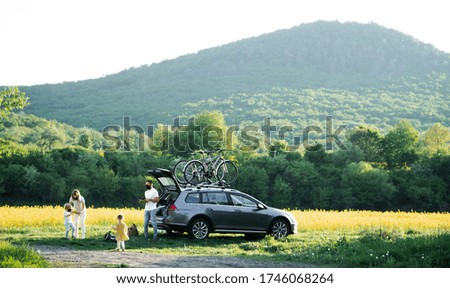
(151,199)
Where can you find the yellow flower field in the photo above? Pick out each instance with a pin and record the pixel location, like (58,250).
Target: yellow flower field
(310,220)
(318,220)
(45,216)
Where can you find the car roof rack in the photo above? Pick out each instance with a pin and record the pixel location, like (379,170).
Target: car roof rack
(218,184)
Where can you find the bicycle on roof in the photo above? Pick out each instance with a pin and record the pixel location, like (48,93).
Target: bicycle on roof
(178,169)
(210,169)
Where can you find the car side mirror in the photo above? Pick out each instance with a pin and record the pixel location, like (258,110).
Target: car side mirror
(259,206)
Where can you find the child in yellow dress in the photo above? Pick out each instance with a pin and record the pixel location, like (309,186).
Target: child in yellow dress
(122,233)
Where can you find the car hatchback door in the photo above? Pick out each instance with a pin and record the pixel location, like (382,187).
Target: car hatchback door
(169,191)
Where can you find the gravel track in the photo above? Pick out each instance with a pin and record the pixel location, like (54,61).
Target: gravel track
(66,257)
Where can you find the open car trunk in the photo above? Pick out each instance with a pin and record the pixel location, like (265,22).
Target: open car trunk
(170,189)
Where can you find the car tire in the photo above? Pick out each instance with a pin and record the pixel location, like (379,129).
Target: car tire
(199,229)
(279,229)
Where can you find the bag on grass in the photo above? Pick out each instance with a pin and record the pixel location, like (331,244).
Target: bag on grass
(109,236)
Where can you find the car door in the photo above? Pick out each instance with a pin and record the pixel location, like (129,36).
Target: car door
(249,214)
(217,207)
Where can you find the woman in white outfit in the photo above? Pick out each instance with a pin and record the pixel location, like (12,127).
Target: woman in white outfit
(79,204)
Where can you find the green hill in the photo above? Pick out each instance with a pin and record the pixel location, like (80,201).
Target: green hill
(24,132)
(358,72)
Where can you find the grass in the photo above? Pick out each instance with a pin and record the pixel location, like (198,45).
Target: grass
(324,249)
(325,239)
(21,256)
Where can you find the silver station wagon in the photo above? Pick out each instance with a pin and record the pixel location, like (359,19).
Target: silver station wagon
(206,209)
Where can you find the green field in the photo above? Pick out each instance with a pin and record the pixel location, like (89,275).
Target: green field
(365,248)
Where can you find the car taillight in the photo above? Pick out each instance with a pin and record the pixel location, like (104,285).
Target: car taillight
(172,207)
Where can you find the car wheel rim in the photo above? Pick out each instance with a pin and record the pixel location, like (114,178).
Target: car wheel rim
(200,230)
(279,230)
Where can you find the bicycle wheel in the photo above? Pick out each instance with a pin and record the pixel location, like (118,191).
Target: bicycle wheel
(194,173)
(178,171)
(227,172)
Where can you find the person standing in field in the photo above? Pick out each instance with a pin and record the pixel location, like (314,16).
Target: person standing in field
(122,233)
(151,199)
(78,202)
(68,211)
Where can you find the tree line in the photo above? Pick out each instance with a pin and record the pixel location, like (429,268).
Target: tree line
(401,169)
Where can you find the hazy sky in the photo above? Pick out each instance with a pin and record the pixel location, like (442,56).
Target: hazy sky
(51,41)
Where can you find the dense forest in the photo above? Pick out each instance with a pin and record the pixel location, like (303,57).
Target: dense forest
(357,67)
(301,108)
(401,169)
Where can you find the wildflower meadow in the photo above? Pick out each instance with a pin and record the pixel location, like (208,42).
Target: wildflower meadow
(325,238)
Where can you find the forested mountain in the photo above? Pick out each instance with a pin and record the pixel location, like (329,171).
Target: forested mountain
(366,73)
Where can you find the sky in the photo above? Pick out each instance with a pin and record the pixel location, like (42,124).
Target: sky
(54,41)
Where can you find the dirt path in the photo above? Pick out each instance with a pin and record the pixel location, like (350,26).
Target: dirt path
(64,257)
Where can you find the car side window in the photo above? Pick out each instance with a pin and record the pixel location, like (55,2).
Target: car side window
(193,198)
(218,198)
(239,200)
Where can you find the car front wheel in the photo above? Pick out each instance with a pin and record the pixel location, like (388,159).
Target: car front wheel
(279,229)
(199,229)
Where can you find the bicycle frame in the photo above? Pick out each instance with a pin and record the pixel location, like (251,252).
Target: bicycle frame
(211,163)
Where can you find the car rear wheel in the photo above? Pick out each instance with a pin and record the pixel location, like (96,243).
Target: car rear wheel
(199,229)
(279,229)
